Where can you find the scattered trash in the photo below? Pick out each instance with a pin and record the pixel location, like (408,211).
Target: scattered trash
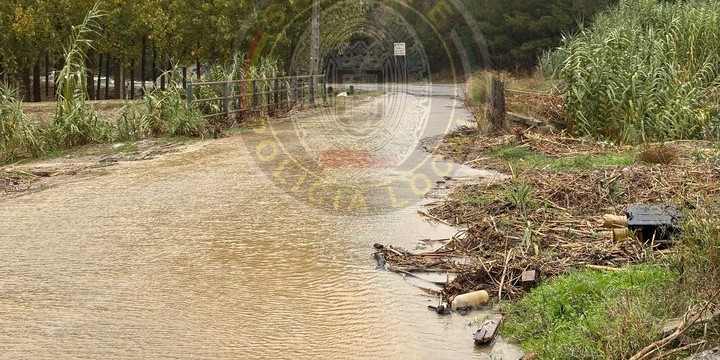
(614,221)
(343,94)
(653,222)
(442,309)
(529,279)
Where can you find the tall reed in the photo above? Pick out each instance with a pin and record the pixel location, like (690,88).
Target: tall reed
(647,70)
(19,137)
(76,122)
(161,112)
(258,79)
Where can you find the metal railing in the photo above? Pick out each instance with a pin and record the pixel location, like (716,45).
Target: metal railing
(246,95)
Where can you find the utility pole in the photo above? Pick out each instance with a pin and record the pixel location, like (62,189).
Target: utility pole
(315,39)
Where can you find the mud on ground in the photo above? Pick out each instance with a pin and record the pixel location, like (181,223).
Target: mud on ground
(23,178)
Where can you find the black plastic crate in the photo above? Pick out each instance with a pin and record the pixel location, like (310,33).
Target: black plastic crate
(657,222)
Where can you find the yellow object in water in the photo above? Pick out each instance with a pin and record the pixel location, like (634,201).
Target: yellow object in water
(470,300)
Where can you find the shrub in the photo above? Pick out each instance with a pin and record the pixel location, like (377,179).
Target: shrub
(161,112)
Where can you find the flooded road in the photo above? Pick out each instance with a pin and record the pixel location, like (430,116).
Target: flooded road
(201,254)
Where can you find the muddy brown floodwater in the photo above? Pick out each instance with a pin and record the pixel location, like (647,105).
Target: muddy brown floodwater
(199,254)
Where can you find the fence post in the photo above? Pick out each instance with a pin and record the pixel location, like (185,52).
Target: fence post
(268,93)
(189,91)
(255,94)
(226,102)
(302,92)
(277,93)
(495,105)
(324,89)
(312,89)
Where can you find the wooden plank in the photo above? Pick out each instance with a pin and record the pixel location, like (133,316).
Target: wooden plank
(488,330)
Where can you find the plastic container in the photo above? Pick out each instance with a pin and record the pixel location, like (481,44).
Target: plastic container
(470,300)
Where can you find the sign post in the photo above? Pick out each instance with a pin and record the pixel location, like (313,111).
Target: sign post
(399,50)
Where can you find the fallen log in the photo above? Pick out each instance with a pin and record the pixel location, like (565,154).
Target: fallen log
(488,330)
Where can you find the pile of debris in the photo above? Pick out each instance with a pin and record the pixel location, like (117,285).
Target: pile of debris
(545,222)
(12,182)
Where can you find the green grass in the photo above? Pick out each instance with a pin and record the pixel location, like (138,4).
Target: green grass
(477,88)
(459,143)
(592,315)
(523,157)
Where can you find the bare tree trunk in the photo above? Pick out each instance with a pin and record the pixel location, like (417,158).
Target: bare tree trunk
(117,80)
(47,75)
(99,74)
(37,93)
(197,67)
(27,93)
(184,77)
(132,79)
(154,67)
(107,76)
(143,60)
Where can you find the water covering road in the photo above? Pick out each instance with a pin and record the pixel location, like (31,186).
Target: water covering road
(200,254)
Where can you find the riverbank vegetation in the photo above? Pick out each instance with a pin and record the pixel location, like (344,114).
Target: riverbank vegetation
(646,71)
(74,120)
(603,293)
(631,103)
(635,312)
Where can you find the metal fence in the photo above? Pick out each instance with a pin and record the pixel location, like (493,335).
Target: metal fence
(247,95)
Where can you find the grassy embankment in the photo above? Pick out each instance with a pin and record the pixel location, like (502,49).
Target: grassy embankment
(646,71)
(29,131)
